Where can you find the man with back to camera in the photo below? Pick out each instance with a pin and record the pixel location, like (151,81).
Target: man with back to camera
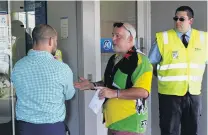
(42,85)
(181,54)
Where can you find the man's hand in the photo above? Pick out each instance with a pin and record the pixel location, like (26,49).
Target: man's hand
(106,93)
(84,84)
(56,57)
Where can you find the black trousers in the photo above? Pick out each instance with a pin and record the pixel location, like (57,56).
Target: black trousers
(179,115)
(25,128)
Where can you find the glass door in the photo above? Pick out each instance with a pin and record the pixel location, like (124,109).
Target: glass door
(5,64)
(17,20)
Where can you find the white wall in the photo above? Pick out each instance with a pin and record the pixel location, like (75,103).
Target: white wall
(15,6)
(116,11)
(90,33)
(162,13)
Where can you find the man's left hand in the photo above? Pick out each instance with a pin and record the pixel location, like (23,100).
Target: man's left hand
(56,57)
(106,93)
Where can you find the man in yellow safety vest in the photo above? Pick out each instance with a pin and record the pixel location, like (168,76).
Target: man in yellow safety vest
(180,55)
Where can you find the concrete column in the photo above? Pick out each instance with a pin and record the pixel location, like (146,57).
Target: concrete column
(89,63)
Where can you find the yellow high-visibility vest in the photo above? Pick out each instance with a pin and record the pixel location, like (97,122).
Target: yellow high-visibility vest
(181,69)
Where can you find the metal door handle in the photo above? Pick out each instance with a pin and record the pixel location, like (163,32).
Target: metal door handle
(141,43)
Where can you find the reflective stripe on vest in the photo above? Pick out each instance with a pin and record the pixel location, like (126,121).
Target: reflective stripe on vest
(180,65)
(181,68)
(165,37)
(180,78)
(201,36)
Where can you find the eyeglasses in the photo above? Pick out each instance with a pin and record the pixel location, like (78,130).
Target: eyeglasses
(120,24)
(180,19)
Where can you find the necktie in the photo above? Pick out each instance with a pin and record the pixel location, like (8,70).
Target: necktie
(184,40)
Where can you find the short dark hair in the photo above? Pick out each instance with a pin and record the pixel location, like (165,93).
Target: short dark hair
(190,12)
(42,32)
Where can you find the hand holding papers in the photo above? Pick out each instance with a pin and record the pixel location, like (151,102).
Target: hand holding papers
(96,103)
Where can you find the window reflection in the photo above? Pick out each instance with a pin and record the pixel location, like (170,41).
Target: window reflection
(5,86)
(22,25)
(24,16)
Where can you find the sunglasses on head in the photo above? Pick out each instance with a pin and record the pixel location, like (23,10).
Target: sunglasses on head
(180,19)
(120,24)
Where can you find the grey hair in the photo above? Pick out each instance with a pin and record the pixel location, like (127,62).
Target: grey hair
(131,30)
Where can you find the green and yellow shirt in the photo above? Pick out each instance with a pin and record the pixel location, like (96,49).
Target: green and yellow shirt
(134,70)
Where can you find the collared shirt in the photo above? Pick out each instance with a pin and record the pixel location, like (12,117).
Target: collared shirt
(133,70)
(42,85)
(155,56)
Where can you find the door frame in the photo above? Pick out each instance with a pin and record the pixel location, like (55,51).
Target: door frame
(9,11)
(144,25)
(144,41)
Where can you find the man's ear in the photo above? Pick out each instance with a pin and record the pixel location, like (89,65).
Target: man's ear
(50,42)
(191,20)
(131,38)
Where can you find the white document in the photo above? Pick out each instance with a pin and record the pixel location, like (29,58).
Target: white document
(96,103)
(64,27)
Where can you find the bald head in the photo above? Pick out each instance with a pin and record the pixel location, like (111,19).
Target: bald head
(43,32)
(44,38)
